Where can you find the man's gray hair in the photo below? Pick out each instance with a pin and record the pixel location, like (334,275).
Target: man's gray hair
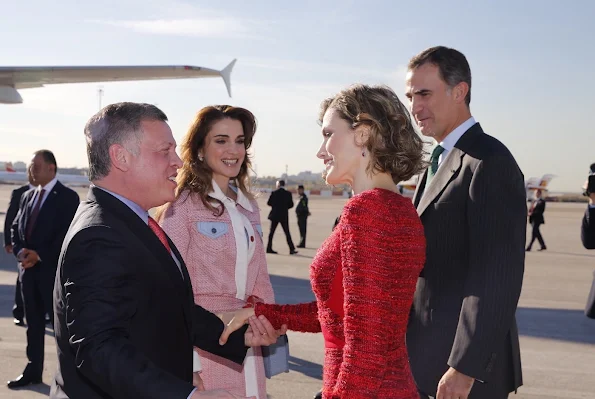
(116,124)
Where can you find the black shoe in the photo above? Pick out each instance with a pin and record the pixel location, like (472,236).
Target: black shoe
(301,246)
(18,322)
(293,252)
(270,251)
(23,381)
(528,249)
(318,395)
(542,249)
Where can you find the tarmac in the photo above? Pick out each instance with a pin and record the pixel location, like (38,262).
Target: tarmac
(557,340)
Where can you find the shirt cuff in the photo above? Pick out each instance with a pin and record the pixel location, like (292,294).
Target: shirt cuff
(196,366)
(189,396)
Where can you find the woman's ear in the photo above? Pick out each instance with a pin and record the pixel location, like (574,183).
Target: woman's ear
(362,135)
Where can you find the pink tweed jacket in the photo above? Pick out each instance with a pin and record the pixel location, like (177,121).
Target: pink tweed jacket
(226,261)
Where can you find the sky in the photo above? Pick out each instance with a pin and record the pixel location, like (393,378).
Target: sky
(532,66)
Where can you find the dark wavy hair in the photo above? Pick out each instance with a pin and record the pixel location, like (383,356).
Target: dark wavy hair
(394,145)
(195,175)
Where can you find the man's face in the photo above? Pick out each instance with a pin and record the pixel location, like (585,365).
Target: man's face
(431,101)
(40,172)
(300,191)
(153,171)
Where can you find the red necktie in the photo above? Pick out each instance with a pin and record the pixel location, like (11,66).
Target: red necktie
(33,216)
(159,233)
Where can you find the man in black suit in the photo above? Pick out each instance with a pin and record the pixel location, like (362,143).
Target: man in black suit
(126,319)
(280,202)
(588,236)
(18,309)
(302,212)
(37,234)
(536,220)
(588,224)
(462,336)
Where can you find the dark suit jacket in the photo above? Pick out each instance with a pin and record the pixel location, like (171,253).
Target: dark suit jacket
(588,229)
(537,214)
(126,322)
(11,213)
(281,201)
(463,315)
(302,210)
(50,228)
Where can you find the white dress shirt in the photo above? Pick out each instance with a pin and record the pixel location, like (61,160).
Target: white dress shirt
(451,140)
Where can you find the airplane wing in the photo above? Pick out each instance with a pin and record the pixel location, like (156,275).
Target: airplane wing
(13,78)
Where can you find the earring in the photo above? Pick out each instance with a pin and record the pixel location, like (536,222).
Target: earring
(200,158)
(363,153)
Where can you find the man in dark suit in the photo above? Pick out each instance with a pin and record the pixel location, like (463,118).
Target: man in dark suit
(462,336)
(588,224)
(536,220)
(302,212)
(588,236)
(18,309)
(37,234)
(126,319)
(280,202)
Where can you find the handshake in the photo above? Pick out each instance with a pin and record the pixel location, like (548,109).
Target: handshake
(260,332)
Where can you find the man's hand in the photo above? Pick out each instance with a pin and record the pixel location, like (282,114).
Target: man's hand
(217,394)
(234,321)
(29,258)
(197,381)
(454,385)
(8,248)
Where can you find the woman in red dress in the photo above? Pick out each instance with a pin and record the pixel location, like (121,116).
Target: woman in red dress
(364,274)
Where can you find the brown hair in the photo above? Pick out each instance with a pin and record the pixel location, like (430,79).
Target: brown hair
(452,66)
(394,145)
(195,175)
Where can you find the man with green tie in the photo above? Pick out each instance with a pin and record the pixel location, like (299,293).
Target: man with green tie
(462,337)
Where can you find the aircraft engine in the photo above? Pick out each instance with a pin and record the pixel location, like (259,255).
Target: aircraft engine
(9,95)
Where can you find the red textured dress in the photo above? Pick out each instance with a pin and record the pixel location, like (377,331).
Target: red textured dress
(363,277)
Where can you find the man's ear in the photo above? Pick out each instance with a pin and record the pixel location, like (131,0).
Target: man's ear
(120,157)
(460,92)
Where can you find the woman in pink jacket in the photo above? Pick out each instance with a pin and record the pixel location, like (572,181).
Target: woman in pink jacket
(215,224)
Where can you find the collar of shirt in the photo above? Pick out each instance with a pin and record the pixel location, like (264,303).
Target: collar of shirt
(449,142)
(217,193)
(50,186)
(136,208)
(48,189)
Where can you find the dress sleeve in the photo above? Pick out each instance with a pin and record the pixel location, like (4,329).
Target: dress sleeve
(301,317)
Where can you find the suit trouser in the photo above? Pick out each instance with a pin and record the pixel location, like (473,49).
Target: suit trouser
(302,224)
(285,226)
(18,310)
(37,286)
(536,234)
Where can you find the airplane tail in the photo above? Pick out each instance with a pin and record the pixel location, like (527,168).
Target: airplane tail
(8,167)
(535,183)
(226,75)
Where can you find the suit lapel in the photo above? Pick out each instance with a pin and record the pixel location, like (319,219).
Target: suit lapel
(419,189)
(188,286)
(445,174)
(143,232)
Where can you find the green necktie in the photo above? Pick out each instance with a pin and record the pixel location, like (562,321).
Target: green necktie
(434,163)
